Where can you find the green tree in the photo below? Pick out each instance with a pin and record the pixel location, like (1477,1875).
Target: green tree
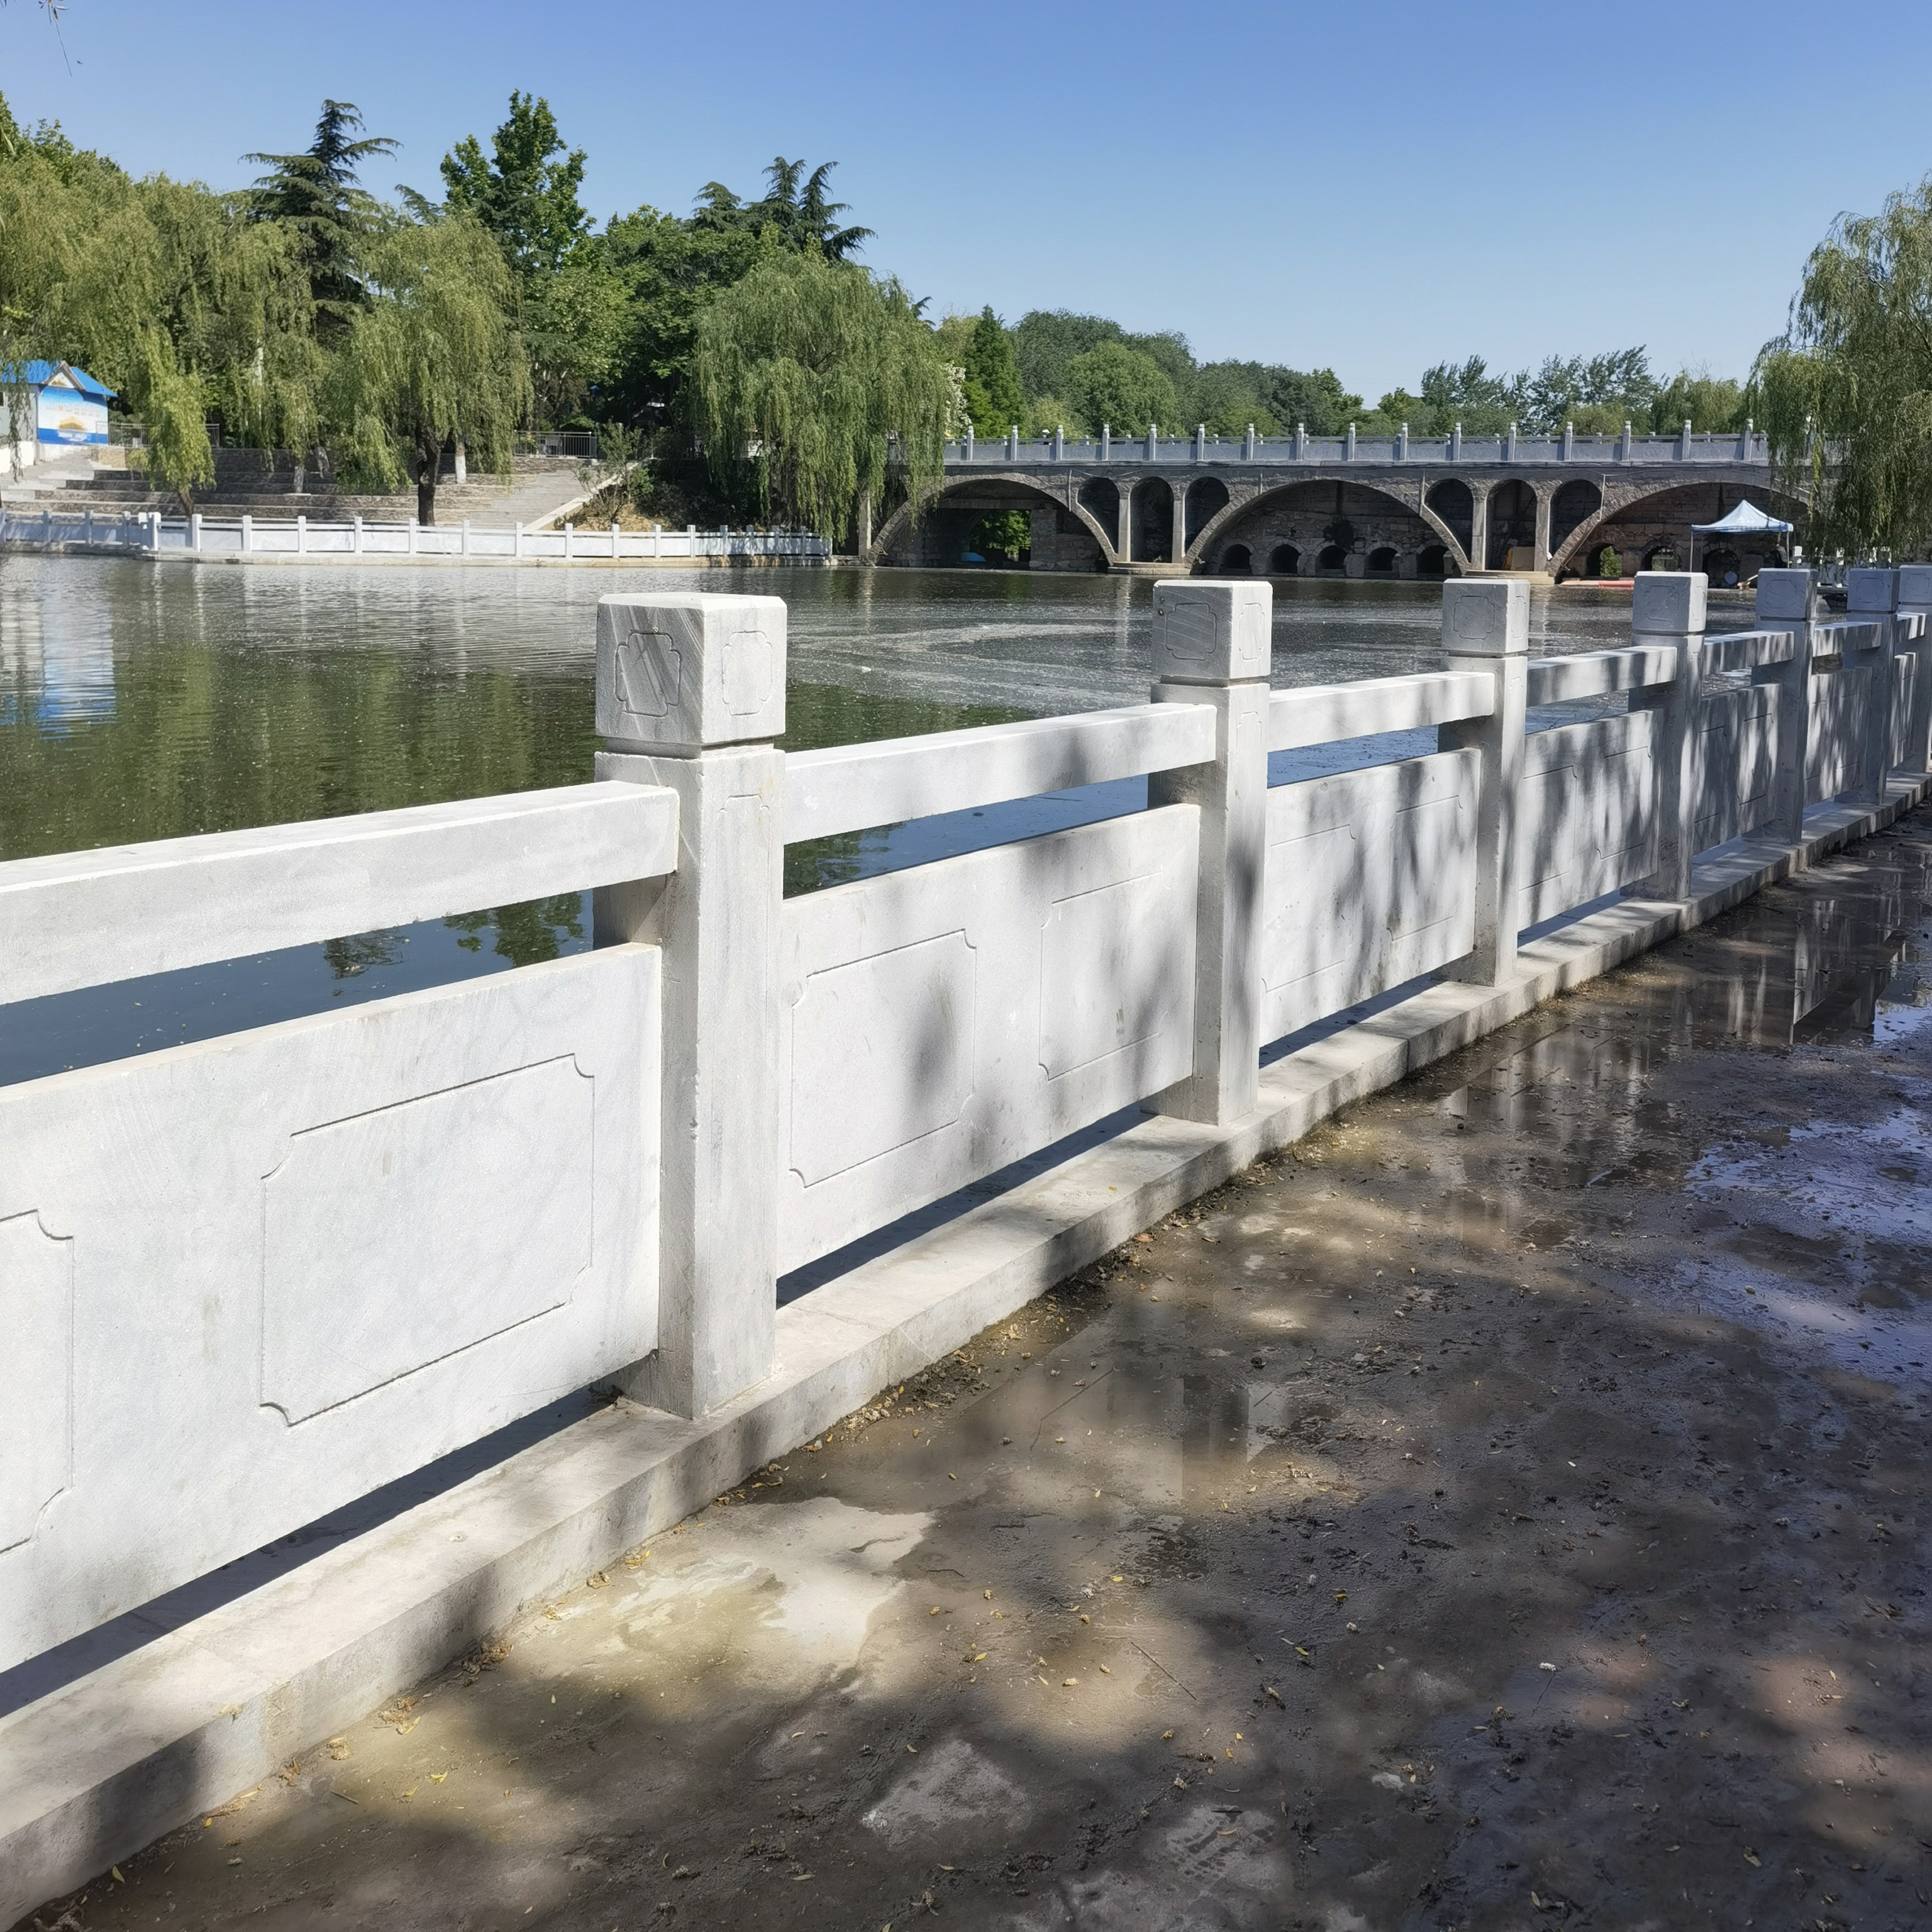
(1847,388)
(521,191)
(435,356)
(1046,341)
(315,193)
(1112,385)
(177,298)
(1705,401)
(995,399)
(812,374)
(795,205)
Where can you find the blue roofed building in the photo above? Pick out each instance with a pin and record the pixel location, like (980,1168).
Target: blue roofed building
(66,409)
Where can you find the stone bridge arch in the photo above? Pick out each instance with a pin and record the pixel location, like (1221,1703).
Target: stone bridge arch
(983,492)
(1672,506)
(1410,498)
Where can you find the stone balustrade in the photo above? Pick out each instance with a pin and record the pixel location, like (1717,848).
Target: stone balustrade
(190,538)
(252,1278)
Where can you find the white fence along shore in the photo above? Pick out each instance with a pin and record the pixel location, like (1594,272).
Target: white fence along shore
(147,533)
(254,1278)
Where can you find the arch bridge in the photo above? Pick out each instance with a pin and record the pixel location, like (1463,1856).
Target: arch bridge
(1344,507)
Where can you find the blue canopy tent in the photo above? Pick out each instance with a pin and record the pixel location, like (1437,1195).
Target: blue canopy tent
(1747,519)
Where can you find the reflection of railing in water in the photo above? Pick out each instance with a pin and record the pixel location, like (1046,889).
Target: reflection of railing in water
(301,1261)
(147,533)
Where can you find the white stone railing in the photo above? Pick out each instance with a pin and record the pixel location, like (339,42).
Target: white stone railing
(1730,448)
(147,532)
(252,1278)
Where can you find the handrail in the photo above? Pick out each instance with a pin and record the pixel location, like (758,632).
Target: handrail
(1596,673)
(1846,639)
(852,788)
(72,919)
(1318,714)
(1745,650)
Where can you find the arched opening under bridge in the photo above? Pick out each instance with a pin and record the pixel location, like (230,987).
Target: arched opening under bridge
(1026,526)
(1237,561)
(1451,500)
(1207,498)
(1432,560)
(1382,562)
(1572,507)
(1512,526)
(1152,505)
(1284,560)
(1333,561)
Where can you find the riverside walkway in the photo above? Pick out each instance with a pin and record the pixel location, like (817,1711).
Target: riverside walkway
(347,1344)
(1506,1508)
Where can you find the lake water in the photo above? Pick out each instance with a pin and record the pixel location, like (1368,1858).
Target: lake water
(139,702)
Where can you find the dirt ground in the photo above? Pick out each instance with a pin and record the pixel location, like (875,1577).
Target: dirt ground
(1502,1511)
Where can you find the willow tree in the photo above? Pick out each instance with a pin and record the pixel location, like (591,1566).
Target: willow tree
(166,292)
(1847,389)
(433,357)
(820,379)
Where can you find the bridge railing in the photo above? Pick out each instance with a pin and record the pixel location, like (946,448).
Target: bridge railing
(253,1277)
(150,534)
(1746,447)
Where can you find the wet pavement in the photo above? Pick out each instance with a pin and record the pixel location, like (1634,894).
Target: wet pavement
(1503,1510)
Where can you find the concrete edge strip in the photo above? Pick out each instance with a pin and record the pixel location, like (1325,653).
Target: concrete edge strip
(92,1772)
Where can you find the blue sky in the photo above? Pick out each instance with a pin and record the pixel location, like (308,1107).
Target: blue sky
(1370,187)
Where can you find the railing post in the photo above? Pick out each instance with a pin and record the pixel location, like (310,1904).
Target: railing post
(1787,601)
(1248,445)
(519,549)
(359,533)
(302,534)
(465,551)
(1872,594)
(1106,441)
(1213,644)
(247,533)
(1915,600)
(570,543)
(413,527)
(690,694)
(1486,627)
(969,442)
(1667,608)
(193,531)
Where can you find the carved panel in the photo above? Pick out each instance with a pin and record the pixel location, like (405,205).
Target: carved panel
(1371,882)
(941,1022)
(306,1260)
(37,1424)
(400,1238)
(882,1053)
(1839,700)
(1735,762)
(1092,1003)
(1587,819)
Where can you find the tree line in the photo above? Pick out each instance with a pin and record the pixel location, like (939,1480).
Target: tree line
(744,340)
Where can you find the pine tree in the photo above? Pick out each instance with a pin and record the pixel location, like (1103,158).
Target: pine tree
(316,193)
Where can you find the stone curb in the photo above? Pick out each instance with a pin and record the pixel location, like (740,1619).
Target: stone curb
(92,1772)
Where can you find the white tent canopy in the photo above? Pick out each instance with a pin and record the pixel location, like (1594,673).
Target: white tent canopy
(1746,521)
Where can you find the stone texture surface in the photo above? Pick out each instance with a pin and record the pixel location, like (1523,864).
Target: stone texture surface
(258,1276)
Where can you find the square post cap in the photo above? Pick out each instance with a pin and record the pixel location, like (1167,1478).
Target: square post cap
(1786,594)
(1485,617)
(1915,585)
(1870,589)
(679,670)
(1668,601)
(1211,631)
